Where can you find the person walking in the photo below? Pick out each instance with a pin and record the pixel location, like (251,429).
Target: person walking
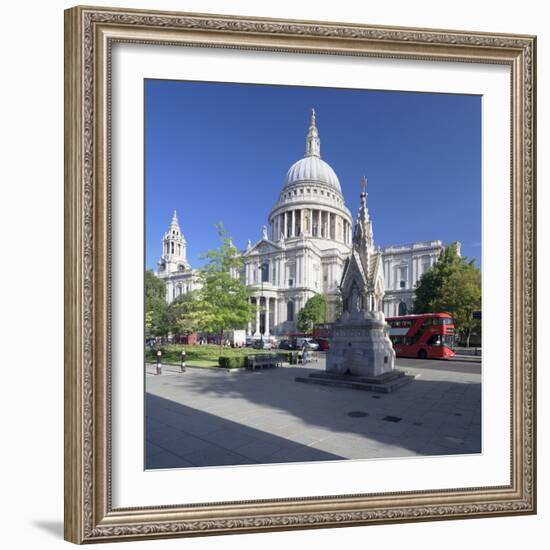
(304,353)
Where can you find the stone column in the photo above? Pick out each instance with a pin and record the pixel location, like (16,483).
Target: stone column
(266,331)
(257,333)
(275,314)
(319,224)
(285,222)
(302,231)
(293,228)
(249,326)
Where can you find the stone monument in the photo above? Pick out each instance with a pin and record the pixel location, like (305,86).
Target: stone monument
(361,355)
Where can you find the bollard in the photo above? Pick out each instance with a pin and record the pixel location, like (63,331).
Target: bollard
(159,364)
(183,355)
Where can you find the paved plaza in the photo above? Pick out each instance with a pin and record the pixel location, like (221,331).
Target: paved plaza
(209,417)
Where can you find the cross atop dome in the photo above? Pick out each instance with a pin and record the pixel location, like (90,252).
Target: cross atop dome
(313,143)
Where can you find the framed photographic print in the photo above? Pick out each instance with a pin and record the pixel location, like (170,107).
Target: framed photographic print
(300,274)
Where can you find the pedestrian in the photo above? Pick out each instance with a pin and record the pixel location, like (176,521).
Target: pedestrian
(304,353)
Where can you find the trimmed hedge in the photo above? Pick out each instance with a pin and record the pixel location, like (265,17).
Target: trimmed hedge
(232,362)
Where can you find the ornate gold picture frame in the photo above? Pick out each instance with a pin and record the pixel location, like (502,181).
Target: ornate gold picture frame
(90,34)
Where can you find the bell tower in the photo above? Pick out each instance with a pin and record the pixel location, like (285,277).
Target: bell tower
(174,250)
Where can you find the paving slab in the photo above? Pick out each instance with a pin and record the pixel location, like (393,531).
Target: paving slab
(205,417)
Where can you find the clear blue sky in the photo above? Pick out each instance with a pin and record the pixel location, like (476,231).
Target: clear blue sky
(220,152)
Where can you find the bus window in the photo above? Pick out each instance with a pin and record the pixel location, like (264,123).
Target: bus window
(435,340)
(443,321)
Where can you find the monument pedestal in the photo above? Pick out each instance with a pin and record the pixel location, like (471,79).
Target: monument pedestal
(384,383)
(361,356)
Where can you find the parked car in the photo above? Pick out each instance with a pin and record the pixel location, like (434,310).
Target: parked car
(312,345)
(287,344)
(262,344)
(323,344)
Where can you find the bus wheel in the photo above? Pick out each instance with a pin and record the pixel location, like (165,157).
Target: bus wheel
(422,354)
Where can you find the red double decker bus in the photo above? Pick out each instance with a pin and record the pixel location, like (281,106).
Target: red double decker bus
(426,335)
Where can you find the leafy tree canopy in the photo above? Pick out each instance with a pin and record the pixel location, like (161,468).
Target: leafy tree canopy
(157,317)
(453,284)
(314,311)
(154,290)
(222,302)
(181,314)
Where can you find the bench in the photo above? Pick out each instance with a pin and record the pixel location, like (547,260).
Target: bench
(265,360)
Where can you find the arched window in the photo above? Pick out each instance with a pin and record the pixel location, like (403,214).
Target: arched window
(290,311)
(402,308)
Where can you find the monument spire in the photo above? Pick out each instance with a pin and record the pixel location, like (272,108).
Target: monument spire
(363,237)
(313,143)
(363,210)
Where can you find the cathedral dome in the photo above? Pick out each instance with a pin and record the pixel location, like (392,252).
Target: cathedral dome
(312,169)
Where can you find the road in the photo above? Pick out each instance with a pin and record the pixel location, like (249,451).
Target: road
(454,365)
(469,367)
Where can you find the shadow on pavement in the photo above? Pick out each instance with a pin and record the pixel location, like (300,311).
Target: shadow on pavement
(180,436)
(266,417)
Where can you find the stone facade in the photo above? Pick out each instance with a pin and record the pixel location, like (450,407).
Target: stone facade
(303,250)
(403,267)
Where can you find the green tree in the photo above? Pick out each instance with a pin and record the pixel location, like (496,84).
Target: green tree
(182,320)
(222,301)
(155,290)
(314,311)
(453,284)
(157,315)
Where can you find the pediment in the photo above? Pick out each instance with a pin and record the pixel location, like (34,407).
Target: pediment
(262,247)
